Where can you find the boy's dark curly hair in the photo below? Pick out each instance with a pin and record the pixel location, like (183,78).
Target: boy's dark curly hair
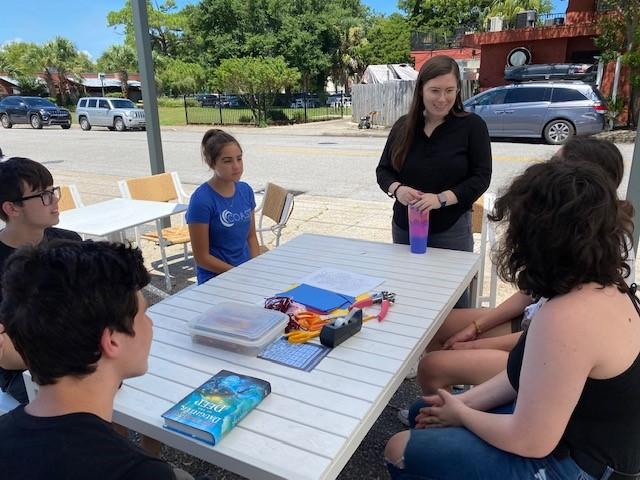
(564,228)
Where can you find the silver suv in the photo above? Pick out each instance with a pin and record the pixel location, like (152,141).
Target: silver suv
(114,113)
(554,111)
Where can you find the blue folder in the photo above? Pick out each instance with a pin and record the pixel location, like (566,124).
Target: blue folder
(318,299)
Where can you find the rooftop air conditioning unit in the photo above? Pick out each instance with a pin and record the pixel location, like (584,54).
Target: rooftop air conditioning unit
(495,24)
(526,19)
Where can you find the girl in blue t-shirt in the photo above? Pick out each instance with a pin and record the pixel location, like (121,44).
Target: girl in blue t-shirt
(221,211)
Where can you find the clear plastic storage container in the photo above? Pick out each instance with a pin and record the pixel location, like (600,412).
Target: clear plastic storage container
(238,327)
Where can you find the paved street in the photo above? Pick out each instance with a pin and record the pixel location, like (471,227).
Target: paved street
(313,158)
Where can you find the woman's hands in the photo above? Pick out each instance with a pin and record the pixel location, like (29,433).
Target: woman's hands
(407,195)
(427,201)
(467,334)
(445,411)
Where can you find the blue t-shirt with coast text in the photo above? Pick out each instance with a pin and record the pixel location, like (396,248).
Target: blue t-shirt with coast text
(229,219)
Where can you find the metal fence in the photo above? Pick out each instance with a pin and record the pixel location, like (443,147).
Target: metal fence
(287,109)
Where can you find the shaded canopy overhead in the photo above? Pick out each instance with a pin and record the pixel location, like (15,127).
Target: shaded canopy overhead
(388,73)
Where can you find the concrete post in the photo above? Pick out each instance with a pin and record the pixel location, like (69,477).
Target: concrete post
(149,95)
(633,188)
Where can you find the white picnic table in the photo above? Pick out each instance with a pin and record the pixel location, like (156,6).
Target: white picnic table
(312,422)
(111,218)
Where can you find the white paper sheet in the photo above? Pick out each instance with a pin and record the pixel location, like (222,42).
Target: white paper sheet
(341,281)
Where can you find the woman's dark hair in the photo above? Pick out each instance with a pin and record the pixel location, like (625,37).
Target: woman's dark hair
(593,150)
(213,142)
(414,121)
(603,154)
(564,228)
(59,297)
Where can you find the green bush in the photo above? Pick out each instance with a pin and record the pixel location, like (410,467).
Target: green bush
(114,95)
(277,117)
(170,102)
(245,119)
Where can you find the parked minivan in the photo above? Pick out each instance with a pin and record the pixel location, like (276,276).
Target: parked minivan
(114,113)
(554,111)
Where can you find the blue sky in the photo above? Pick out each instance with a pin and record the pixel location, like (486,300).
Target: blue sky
(84,21)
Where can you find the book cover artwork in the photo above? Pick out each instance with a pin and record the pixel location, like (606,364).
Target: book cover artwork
(215,407)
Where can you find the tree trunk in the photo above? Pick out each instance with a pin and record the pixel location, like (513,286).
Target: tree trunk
(124,83)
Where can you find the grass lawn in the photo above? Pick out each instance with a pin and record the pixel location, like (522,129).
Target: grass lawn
(236,116)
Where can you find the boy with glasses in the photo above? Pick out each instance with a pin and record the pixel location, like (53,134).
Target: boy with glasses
(29,207)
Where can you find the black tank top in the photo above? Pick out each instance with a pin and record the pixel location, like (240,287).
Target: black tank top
(605,425)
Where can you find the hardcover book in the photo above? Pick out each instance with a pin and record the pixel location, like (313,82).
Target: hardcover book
(216,406)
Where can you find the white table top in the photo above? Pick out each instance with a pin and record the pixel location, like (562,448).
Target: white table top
(312,422)
(104,218)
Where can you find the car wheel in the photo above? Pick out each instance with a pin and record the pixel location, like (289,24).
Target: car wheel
(84,124)
(119,125)
(111,128)
(36,122)
(6,123)
(558,132)
(66,127)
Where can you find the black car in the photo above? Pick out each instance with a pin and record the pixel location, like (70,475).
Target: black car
(552,71)
(36,111)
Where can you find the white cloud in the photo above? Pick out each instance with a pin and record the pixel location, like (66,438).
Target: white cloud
(87,53)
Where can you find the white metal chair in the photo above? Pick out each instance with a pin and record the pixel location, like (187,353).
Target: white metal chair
(164,187)
(69,198)
(277,205)
(481,225)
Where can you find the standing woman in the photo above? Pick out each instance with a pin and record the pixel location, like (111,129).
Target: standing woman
(438,158)
(221,211)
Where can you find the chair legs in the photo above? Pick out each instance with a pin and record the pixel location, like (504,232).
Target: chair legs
(163,253)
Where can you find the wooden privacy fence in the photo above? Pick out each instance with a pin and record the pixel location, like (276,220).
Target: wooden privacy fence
(391,100)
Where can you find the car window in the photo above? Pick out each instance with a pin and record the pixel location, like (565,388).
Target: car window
(495,97)
(103,104)
(38,102)
(528,94)
(83,103)
(566,95)
(92,103)
(122,103)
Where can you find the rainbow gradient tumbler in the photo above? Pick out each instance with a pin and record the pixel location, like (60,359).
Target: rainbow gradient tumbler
(418,229)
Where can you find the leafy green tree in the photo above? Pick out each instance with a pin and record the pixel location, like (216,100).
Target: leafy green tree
(388,41)
(620,35)
(308,34)
(121,59)
(177,77)
(166,25)
(17,58)
(30,85)
(444,15)
(256,80)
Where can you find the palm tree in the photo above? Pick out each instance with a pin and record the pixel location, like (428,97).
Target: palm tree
(62,57)
(121,59)
(508,9)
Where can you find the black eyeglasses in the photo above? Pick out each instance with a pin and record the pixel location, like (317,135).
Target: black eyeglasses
(46,196)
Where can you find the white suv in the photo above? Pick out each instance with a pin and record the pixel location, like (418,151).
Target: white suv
(114,113)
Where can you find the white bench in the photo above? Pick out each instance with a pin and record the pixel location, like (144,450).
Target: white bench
(7,403)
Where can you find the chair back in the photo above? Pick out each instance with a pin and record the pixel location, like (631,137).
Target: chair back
(158,188)
(478,216)
(275,200)
(69,198)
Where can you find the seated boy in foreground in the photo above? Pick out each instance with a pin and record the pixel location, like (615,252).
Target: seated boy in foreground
(80,340)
